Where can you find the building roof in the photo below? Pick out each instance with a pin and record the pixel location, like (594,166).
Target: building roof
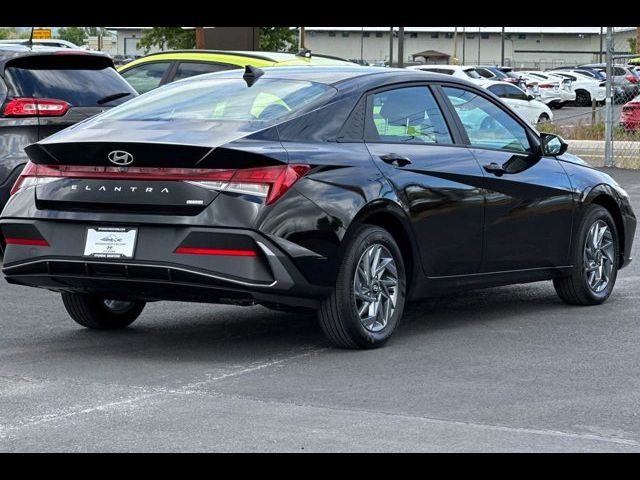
(565,30)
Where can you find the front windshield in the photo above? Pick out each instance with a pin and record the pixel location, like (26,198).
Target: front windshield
(222,100)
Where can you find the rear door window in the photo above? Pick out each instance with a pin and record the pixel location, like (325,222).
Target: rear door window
(191,69)
(406,115)
(147,76)
(77,82)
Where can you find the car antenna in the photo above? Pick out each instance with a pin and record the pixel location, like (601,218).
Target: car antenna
(30,42)
(251,74)
(304,52)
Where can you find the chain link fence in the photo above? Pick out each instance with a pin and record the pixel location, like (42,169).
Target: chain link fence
(608,133)
(622,125)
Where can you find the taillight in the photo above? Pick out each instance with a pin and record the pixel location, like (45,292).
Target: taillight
(632,78)
(29,171)
(34,107)
(545,85)
(268,182)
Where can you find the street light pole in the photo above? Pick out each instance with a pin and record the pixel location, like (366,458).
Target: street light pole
(361,45)
(479,35)
(601,32)
(464,44)
(502,48)
(391,46)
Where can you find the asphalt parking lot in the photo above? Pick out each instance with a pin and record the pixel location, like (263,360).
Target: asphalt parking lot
(495,370)
(571,115)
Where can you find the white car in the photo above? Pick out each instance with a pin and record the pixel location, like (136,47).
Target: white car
(585,87)
(531,110)
(458,71)
(567,94)
(51,42)
(549,90)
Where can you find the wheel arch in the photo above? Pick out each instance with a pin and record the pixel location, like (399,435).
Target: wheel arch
(606,197)
(390,216)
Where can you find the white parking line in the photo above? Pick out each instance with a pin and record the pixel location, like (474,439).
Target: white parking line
(185,389)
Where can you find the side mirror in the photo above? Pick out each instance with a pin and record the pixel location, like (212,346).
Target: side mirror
(553,145)
(530,97)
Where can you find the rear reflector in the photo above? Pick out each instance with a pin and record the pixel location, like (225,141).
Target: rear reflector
(270,182)
(215,251)
(35,107)
(26,241)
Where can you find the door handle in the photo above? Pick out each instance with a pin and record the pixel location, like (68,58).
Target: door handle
(395,159)
(494,168)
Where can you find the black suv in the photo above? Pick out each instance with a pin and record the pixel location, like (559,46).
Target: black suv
(43,90)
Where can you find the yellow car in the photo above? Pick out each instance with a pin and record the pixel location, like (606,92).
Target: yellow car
(161,68)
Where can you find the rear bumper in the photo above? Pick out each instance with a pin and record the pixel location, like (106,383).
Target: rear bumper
(156,271)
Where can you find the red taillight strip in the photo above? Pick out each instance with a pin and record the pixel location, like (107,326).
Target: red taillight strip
(26,241)
(215,251)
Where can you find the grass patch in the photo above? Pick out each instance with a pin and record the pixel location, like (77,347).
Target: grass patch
(587,131)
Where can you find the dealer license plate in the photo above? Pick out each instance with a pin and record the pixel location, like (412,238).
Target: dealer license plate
(110,242)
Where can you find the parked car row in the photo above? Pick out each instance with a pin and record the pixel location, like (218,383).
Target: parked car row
(525,103)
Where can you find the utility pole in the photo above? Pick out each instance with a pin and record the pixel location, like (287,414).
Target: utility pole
(361,45)
(391,46)
(479,36)
(301,39)
(502,48)
(455,46)
(400,47)
(608,122)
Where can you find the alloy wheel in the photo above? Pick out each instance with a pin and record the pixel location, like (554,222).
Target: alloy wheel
(599,252)
(375,287)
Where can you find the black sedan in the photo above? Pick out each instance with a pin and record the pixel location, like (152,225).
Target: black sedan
(348,190)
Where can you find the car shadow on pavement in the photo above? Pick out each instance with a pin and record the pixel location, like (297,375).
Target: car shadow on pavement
(229,333)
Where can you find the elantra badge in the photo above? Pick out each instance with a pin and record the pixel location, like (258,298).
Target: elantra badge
(120,158)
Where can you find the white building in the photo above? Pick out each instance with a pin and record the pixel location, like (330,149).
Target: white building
(524,47)
(127,39)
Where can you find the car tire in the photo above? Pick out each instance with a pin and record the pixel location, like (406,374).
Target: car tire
(591,259)
(583,98)
(543,118)
(346,318)
(101,314)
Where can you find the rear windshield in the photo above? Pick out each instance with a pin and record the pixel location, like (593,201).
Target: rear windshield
(223,99)
(471,72)
(89,85)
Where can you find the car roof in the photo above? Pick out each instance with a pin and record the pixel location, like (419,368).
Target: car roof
(240,58)
(337,74)
(10,51)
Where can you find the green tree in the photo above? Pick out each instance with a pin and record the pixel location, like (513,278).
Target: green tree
(77,35)
(278,39)
(11,33)
(633,45)
(167,38)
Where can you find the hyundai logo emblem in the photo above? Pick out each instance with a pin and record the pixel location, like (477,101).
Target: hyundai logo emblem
(120,157)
